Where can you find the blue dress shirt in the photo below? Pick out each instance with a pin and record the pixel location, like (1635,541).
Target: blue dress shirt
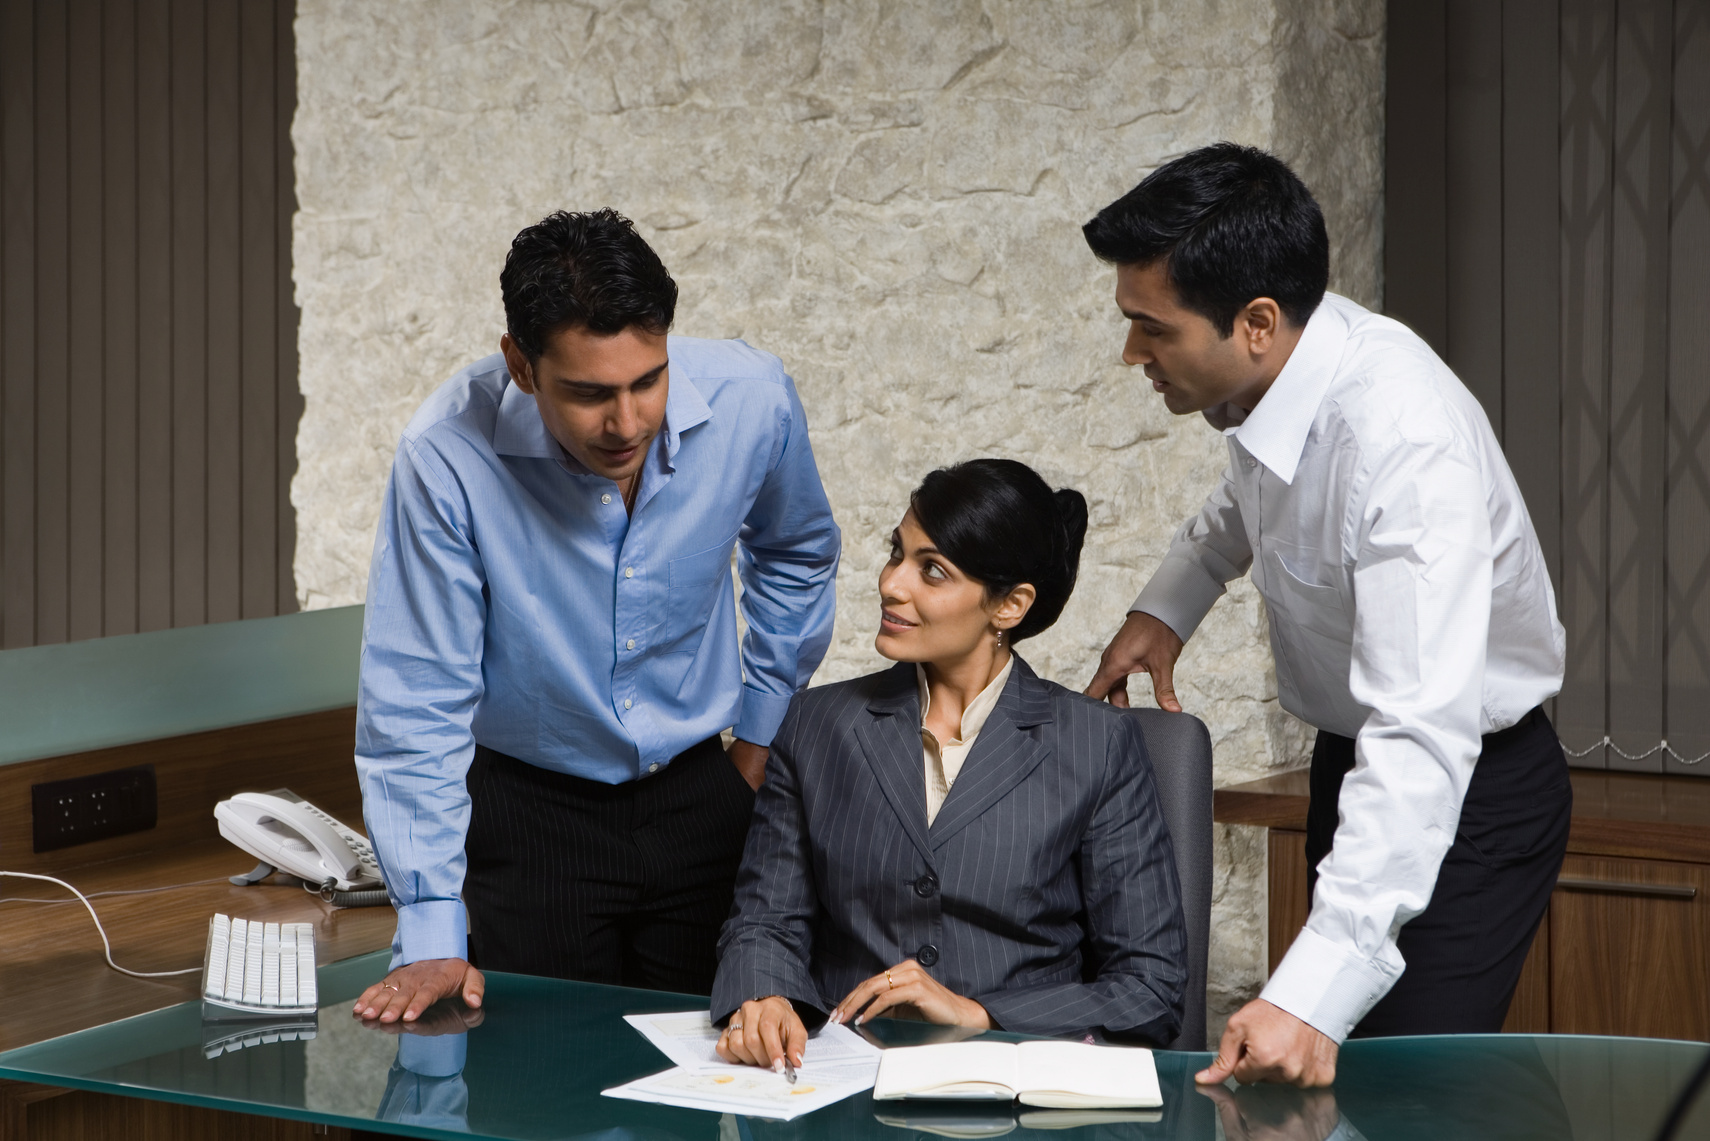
(513,601)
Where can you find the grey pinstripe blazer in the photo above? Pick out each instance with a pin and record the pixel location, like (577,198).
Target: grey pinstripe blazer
(1045,889)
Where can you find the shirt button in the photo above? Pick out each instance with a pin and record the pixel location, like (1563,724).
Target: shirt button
(627,703)
(629,645)
(654,767)
(629,572)
(1251,462)
(605,499)
(927,956)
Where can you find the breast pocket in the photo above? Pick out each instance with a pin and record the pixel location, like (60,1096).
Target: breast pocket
(1314,643)
(693,584)
(1306,604)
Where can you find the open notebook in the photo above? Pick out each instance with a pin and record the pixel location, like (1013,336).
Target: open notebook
(1054,1075)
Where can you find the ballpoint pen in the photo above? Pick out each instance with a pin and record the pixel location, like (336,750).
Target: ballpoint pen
(789,1070)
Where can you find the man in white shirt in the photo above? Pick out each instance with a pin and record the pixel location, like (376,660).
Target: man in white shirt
(1411,616)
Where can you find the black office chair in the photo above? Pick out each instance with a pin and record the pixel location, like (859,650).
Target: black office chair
(1180,748)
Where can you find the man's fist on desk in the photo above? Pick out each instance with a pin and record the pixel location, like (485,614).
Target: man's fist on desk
(1265,1043)
(407,991)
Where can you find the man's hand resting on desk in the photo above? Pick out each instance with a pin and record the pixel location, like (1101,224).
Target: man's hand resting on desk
(1265,1043)
(1143,645)
(407,991)
(750,761)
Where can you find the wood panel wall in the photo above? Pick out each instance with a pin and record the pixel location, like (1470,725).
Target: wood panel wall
(1547,230)
(148,371)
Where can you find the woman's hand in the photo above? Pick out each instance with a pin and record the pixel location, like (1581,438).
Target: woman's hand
(908,982)
(763,1032)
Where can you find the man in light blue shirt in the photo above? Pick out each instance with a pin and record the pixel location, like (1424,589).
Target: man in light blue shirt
(551,643)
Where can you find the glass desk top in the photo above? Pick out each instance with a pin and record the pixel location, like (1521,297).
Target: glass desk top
(542,1050)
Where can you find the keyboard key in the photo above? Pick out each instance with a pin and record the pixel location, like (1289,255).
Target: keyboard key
(219,941)
(288,965)
(235,961)
(252,963)
(270,965)
(306,992)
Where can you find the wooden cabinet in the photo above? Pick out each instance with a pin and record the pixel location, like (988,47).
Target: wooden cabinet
(1625,946)
(1629,948)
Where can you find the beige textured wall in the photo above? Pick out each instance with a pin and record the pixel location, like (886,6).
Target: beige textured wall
(885,194)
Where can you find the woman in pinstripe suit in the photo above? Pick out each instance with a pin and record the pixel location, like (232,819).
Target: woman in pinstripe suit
(954,838)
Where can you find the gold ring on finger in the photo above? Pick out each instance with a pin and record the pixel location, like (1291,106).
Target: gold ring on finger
(890,980)
(394,986)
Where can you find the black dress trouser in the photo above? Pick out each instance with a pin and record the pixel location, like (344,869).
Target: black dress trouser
(1465,950)
(626,883)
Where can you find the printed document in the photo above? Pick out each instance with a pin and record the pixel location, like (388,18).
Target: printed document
(836,1064)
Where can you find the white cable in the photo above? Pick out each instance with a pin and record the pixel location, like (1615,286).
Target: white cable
(102,930)
(105,894)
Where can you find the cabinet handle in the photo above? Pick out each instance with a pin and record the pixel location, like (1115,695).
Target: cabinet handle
(1622,887)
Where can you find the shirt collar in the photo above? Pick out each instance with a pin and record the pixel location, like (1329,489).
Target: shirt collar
(979,710)
(521,432)
(685,407)
(1275,431)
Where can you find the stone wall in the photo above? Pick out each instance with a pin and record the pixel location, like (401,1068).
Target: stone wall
(885,193)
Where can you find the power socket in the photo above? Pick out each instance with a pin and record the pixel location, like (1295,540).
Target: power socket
(82,809)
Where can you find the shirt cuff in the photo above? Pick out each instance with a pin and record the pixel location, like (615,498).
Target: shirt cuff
(441,1056)
(1179,595)
(1326,986)
(762,713)
(431,929)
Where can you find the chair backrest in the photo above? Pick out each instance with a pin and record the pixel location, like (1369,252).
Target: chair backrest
(1180,748)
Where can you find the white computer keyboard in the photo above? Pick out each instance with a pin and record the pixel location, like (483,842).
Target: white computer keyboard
(258,968)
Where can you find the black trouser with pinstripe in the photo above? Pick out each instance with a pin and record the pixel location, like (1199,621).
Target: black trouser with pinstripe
(1465,950)
(625,884)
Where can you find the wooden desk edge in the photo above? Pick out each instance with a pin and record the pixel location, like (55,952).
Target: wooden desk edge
(1636,829)
(1240,805)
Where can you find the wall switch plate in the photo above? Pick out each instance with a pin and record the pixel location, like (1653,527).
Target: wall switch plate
(76,811)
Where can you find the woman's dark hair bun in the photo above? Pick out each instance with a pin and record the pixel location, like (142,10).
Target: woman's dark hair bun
(1001,524)
(1072,514)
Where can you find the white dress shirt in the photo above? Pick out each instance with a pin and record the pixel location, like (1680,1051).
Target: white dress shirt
(944,758)
(1409,609)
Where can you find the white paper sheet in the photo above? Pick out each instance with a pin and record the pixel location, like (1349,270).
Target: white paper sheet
(836,1064)
(690,1039)
(747,1090)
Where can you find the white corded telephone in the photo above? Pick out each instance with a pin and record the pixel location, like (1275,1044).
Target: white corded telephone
(287,833)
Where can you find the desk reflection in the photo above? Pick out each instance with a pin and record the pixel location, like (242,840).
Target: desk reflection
(425,1085)
(1279,1113)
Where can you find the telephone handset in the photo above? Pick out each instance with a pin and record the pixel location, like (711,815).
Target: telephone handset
(287,833)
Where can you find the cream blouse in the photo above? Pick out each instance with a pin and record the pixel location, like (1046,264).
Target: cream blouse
(944,759)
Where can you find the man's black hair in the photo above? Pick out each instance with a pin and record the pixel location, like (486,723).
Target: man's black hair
(588,270)
(1231,224)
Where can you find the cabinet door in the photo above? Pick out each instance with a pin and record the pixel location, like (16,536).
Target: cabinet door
(1630,948)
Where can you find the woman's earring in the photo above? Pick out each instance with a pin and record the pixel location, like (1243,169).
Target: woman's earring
(1000,637)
